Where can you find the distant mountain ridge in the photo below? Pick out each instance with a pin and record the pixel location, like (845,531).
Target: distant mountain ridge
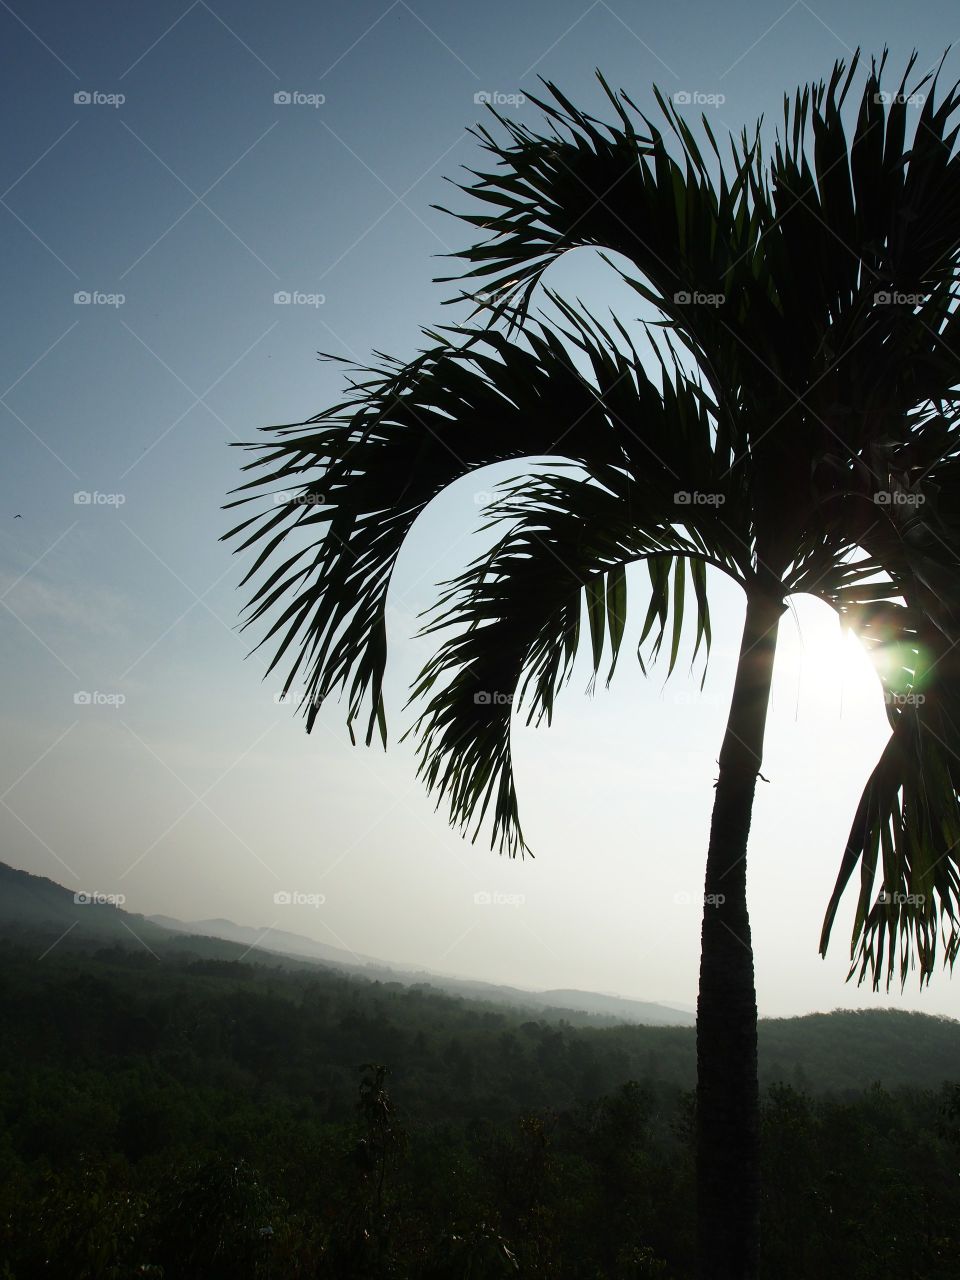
(269,939)
(27,900)
(649,1013)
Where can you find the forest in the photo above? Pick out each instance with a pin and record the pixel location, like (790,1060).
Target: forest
(191,1115)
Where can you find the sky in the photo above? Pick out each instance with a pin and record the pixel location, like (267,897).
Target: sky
(171,169)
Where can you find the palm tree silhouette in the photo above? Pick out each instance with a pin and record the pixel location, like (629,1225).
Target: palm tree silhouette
(793,426)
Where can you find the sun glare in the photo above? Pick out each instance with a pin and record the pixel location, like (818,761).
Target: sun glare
(824,664)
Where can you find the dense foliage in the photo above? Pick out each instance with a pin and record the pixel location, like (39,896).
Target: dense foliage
(201,1117)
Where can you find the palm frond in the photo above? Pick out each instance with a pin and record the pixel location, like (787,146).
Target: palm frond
(795,279)
(907,823)
(367,469)
(516,615)
(817,295)
(688,237)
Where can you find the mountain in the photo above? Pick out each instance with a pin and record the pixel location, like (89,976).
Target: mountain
(34,902)
(365,1006)
(267,939)
(29,902)
(615,1008)
(610,1008)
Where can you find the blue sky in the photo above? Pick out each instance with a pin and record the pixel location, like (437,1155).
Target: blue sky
(177,183)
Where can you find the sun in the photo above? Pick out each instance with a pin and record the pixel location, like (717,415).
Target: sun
(826,665)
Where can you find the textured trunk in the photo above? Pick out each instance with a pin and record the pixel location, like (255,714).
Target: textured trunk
(728,1120)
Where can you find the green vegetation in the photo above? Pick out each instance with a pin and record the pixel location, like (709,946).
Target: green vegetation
(199,1116)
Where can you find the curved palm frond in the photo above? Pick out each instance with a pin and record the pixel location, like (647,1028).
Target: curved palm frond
(817,295)
(403,436)
(515,615)
(588,184)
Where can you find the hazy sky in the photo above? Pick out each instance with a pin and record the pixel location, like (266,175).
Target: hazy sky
(177,183)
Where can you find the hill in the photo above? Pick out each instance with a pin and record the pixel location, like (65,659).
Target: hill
(608,1037)
(190,1107)
(29,902)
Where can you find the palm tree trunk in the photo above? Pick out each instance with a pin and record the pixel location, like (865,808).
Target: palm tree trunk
(728,1102)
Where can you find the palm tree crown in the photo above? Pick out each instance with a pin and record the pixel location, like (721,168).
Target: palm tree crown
(792,423)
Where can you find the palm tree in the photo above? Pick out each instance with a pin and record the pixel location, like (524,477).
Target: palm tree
(791,424)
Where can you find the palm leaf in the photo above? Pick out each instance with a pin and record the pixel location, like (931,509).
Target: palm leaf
(807,374)
(515,618)
(403,436)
